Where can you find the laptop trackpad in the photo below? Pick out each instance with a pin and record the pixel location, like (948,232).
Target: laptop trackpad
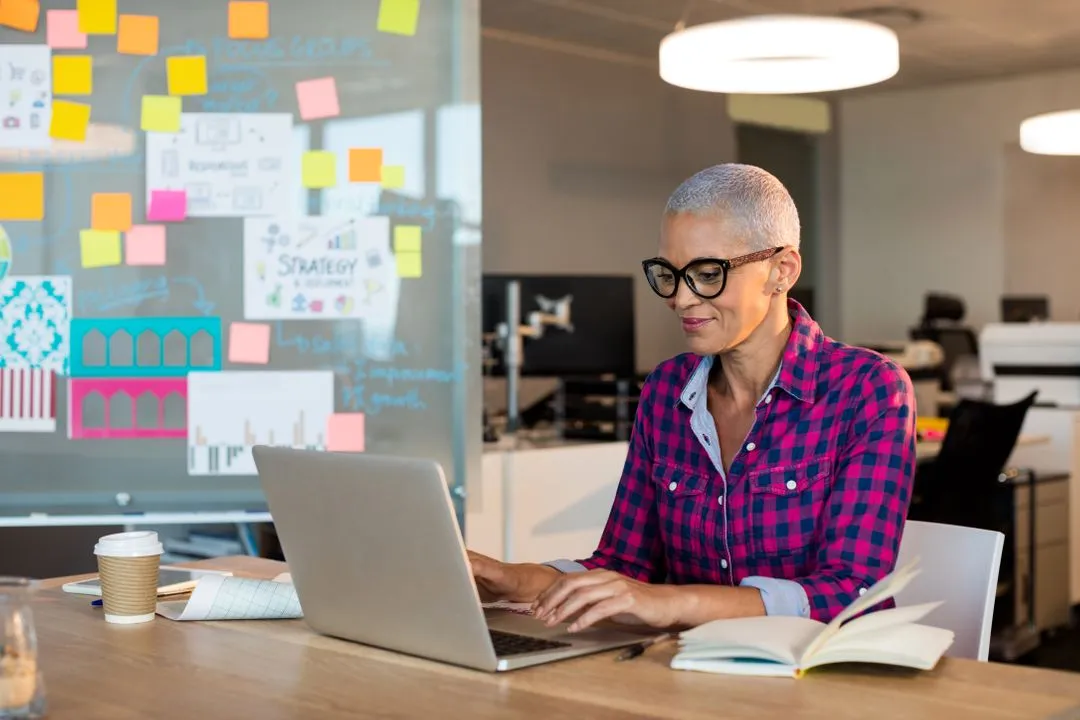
(514,622)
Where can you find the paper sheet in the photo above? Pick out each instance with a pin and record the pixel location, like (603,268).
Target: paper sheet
(231,598)
(26,90)
(35,322)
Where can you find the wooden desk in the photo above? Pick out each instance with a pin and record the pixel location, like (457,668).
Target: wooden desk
(280,669)
(929,449)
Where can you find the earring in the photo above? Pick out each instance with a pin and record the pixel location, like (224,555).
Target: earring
(779,288)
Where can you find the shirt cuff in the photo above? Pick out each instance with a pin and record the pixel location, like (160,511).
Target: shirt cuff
(567,566)
(780,597)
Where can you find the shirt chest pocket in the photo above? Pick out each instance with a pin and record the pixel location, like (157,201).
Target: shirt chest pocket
(786,505)
(680,498)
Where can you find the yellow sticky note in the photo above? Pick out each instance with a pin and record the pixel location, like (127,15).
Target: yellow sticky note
(187,74)
(69,121)
(110,211)
(319,169)
(409,265)
(73,74)
(249,19)
(407,239)
(398,17)
(393,176)
(161,113)
(22,196)
(97,17)
(100,248)
(138,35)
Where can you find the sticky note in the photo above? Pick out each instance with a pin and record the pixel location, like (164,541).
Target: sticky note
(319,169)
(73,74)
(145,245)
(398,17)
(110,211)
(345,432)
(249,343)
(62,30)
(365,165)
(407,239)
(20,14)
(249,20)
(393,176)
(409,265)
(97,17)
(167,206)
(138,35)
(100,248)
(161,113)
(22,196)
(187,74)
(318,98)
(69,121)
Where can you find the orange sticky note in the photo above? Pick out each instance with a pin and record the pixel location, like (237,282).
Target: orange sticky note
(365,165)
(110,211)
(138,35)
(145,245)
(72,74)
(20,14)
(249,20)
(187,74)
(97,17)
(69,121)
(62,30)
(249,343)
(22,196)
(345,432)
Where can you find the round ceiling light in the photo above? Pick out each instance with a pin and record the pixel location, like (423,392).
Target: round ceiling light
(1056,133)
(780,54)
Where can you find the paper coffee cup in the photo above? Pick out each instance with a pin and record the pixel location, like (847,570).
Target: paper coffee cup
(128,566)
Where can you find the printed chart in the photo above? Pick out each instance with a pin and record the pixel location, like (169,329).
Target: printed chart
(230,412)
(230,165)
(25,96)
(27,401)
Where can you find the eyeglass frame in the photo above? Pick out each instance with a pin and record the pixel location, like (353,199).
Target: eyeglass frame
(726,265)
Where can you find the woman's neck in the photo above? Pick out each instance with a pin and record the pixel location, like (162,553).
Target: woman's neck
(745,372)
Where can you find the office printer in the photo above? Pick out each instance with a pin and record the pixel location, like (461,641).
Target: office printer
(1020,357)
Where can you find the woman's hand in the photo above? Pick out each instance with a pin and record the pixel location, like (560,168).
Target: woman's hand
(506,581)
(602,594)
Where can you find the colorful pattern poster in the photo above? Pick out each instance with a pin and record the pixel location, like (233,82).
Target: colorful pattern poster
(25,96)
(318,268)
(35,323)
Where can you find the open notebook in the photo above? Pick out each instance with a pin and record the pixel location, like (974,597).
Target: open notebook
(789,646)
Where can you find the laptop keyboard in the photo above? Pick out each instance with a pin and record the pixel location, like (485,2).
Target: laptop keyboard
(510,644)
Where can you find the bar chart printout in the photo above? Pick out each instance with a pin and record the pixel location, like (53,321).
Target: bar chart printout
(230,412)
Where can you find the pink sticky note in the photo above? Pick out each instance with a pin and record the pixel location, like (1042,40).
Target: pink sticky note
(145,245)
(62,30)
(167,206)
(249,343)
(318,98)
(345,432)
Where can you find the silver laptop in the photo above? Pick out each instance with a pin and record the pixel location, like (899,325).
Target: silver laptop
(376,555)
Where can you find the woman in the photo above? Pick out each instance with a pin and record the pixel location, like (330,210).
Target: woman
(769,469)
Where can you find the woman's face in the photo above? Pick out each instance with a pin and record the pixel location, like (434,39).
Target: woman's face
(722,323)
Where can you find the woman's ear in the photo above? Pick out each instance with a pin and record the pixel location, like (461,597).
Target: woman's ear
(787,269)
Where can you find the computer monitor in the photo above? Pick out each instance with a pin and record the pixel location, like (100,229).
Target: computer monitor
(1024,308)
(602,314)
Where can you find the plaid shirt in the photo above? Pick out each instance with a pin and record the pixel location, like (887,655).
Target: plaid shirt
(813,506)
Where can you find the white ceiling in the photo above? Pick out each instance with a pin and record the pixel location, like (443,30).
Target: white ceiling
(953,40)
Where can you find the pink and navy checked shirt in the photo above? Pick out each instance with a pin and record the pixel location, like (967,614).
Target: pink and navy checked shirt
(813,506)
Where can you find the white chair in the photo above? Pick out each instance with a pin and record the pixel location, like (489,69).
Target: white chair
(959,566)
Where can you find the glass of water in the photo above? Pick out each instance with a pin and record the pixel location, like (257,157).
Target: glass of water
(22,692)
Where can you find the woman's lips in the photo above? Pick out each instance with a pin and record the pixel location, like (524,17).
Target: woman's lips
(692,324)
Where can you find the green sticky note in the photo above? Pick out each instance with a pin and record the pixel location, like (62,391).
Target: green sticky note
(69,121)
(407,239)
(393,176)
(319,169)
(409,265)
(99,248)
(398,17)
(161,113)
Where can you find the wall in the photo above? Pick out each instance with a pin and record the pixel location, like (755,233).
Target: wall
(922,196)
(580,156)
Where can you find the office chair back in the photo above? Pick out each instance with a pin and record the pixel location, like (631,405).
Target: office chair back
(959,566)
(980,438)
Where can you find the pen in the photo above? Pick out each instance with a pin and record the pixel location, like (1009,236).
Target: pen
(635,650)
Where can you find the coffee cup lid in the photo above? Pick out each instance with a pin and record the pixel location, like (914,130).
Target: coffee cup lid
(129,544)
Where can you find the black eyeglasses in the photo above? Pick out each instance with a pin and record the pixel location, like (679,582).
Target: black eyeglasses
(706,277)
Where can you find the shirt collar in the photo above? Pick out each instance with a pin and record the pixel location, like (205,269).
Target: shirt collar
(797,374)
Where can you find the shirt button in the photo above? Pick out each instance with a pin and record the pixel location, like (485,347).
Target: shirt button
(862,591)
(723,563)
(768,399)
(672,486)
(791,484)
(720,500)
(750,446)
